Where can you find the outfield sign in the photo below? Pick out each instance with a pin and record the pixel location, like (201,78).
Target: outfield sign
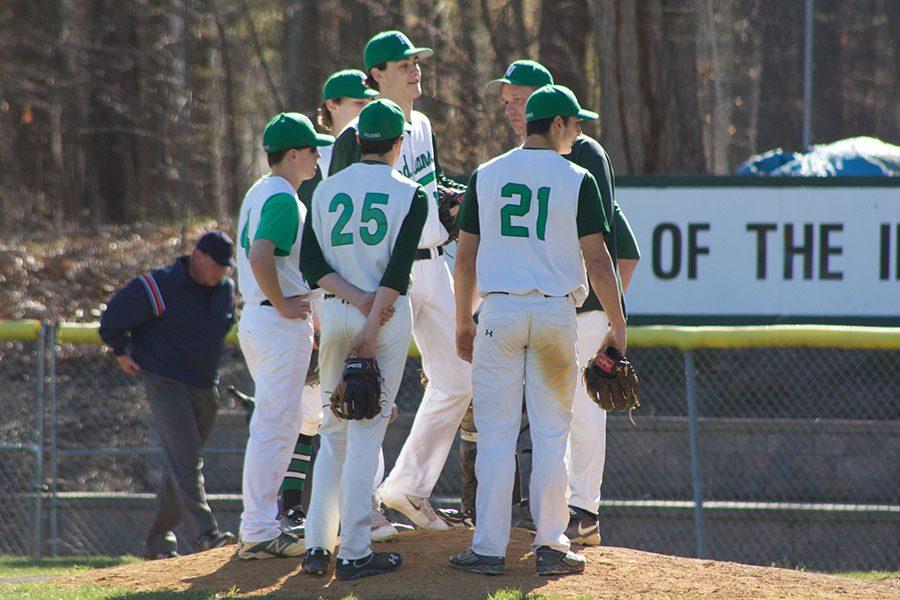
(765,254)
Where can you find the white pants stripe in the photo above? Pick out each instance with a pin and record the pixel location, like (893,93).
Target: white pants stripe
(348,457)
(523,341)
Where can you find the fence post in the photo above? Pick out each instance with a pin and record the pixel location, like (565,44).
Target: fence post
(54,476)
(808,75)
(695,455)
(37,485)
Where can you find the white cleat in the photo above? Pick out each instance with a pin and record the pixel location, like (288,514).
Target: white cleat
(417,509)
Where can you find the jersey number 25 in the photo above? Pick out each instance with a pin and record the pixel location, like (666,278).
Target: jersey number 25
(370,212)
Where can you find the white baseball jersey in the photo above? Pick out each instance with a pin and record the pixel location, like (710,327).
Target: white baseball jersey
(416,162)
(357,216)
(530,207)
(324,160)
(287,252)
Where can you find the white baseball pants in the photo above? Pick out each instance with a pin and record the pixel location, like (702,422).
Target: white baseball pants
(449,388)
(348,457)
(586,453)
(277,352)
(523,341)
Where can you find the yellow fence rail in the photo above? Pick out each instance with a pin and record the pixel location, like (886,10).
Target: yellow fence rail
(683,338)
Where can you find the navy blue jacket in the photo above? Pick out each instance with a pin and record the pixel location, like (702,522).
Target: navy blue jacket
(171,325)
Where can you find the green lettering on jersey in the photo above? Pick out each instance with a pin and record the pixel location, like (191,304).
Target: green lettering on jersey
(370,213)
(245,236)
(338,236)
(522,208)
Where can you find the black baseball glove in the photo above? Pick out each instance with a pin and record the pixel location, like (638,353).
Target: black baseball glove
(358,393)
(611,382)
(448,199)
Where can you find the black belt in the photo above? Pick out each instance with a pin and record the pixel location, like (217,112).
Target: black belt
(425,253)
(330,296)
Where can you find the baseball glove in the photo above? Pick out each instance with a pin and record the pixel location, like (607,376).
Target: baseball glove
(358,393)
(449,198)
(611,382)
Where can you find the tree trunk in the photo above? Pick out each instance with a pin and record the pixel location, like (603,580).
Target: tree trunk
(305,69)
(744,94)
(780,118)
(563,42)
(650,80)
(684,123)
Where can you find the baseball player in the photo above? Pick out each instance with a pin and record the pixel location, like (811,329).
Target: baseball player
(586,452)
(359,245)
(275,331)
(343,96)
(394,69)
(531,222)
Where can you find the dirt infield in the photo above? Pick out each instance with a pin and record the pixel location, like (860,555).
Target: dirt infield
(611,573)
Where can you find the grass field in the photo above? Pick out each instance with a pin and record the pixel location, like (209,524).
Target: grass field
(26,579)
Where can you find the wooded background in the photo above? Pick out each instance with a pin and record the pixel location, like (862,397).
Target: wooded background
(115,111)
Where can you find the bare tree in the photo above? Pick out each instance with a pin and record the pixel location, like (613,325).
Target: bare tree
(563,42)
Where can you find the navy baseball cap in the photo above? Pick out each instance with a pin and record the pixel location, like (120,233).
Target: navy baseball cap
(218,246)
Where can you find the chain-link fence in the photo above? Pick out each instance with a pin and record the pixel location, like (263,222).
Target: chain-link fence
(784,455)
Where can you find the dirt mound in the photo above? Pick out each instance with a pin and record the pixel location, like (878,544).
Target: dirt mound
(611,573)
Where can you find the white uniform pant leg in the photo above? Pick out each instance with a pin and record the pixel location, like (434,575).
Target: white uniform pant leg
(498,369)
(449,388)
(586,455)
(323,518)
(551,369)
(277,352)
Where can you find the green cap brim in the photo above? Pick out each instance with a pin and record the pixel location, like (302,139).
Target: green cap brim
(324,140)
(423,52)
(587,115)
(369,93)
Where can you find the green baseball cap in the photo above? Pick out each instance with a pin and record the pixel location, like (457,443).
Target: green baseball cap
(555,101)
(381,120)
(349,83)
(390,46)
(292,130)
(529,73)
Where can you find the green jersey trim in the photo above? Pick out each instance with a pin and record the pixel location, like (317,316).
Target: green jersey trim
(467,218)
(591,217)
(396,275)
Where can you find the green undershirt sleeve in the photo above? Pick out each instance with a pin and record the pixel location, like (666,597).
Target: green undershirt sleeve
(279,222)
(306,189)
(396,275)
(442,180)
(626,242)
(312,262)
(345,153)
(591,217)
(467,218)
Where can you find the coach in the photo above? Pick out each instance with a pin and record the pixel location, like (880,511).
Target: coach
(169,325)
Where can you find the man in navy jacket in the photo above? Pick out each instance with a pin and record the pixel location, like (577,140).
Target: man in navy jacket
(169,326)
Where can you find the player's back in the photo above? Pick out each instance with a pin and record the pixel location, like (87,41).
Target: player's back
(527,211)
(357,216)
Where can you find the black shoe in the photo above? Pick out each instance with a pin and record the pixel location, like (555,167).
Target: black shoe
(161,555)
(583,528)
(316,561)
(556,562)
(478,563)
(373,564)
(216,539)
(294,522)
(526,523)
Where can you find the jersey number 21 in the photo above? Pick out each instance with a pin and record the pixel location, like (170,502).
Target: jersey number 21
(522,208)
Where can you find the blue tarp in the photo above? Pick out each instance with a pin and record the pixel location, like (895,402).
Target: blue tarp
(853,157)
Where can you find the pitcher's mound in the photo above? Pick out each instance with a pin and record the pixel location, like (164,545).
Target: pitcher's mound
(610,573)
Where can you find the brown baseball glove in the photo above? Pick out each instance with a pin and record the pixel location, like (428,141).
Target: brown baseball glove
(448,199)
(611,382)
(358,393)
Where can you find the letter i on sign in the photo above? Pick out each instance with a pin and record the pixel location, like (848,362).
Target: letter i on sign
(884,262)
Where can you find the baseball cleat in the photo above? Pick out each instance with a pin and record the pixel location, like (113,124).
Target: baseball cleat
(216,539)
(284,546)
(382,529)
(584,528)
(455,518)
(417,509)
(294,522)
(556,562)
(376,563)
(526,523)
(316,561)
(161,555)
(477,563)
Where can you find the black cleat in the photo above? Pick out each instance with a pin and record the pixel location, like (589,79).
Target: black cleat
(376,563)
(556,562)
(316,561)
